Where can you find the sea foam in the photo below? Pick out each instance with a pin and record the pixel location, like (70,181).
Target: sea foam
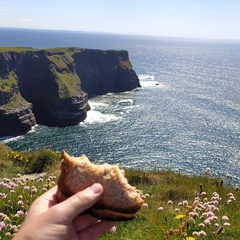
(98,117)
(149,81)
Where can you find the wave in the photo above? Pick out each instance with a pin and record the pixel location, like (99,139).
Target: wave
(125,102)
(95,105)
(146,77)
(33,129)
(8,139)
(149,81)
(152,84)
(98,117)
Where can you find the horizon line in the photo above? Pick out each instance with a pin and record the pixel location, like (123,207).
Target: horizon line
(124,34)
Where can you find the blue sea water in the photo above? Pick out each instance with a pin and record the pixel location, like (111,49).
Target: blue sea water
(185,117)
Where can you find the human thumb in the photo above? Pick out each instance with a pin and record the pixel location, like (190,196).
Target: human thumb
(79,202)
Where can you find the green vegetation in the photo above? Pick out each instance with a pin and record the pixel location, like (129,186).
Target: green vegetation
(68,81)
(13,163)
(62,51)
(14,102)
(61,60)
(7,84)
(176,206)
(16,49)
(181,207)
(16,196)
(68,85)
(125,64)
(4,148)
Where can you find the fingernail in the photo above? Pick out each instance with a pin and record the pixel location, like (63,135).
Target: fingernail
(96,188)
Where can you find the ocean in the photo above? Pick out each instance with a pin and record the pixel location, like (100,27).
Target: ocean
(184,118)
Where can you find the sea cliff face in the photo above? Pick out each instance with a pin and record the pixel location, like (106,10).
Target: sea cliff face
(105,71)
(52,86)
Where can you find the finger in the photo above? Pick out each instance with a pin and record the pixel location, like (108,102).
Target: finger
(83,221)
(79,202)
(44,202)
(96,230)
(49,196)
(60,196)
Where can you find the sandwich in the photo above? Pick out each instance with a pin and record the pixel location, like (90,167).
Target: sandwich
(120,201)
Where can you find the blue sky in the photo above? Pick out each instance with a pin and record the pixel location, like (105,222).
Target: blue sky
(179,18)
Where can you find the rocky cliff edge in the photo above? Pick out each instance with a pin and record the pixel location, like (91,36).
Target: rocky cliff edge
(52,86)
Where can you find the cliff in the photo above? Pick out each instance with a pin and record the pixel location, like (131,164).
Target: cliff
(105,71)
(52,86)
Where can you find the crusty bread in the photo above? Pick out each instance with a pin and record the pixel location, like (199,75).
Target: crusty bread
(119,201)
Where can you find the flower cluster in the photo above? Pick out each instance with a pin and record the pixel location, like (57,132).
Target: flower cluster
(199,219)
(16,195)
(30,161)
(18,157)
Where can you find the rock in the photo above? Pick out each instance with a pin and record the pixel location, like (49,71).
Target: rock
(16,116)
(52,86)
(101,72)
(16,122)
(68,111)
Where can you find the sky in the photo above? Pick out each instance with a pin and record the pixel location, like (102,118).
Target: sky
(218,19)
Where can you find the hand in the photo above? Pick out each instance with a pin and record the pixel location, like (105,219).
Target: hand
(49,220)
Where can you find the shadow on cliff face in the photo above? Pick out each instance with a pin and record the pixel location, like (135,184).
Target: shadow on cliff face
(41,114)
(46,117)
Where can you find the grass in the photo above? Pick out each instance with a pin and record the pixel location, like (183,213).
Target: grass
(176,206)
(60,58)
(4,148)
(6,84)
(173,196)
(13,163)
(125,64)
(16,49)
(68,81)
(68,85)
(16,101)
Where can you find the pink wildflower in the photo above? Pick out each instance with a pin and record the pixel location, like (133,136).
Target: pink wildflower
(20,203)
(232,198)
(225,218)
(2,226)
(26,188)
(195,233)
(20,213)
(226,224)
(202,233)
(207,221)
(145,205)
(113,229)
(201,225)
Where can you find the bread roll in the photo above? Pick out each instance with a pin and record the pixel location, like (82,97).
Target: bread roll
(119,201)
